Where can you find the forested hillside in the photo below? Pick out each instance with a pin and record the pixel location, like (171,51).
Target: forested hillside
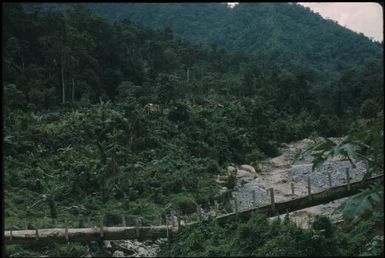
(103,116)
(288,34)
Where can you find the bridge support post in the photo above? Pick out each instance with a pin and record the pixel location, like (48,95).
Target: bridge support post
(123,221)
(172,218)
(137,227)
(101,228)
(272,201)
(330,180)
(66,229)
(37,234)
(216,206)
(309,187)
(199,213)
(348,178)
(236,208)
(254,198)
(178,219)
(167,234)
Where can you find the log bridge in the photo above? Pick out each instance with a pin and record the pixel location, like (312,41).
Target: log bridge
(153,232)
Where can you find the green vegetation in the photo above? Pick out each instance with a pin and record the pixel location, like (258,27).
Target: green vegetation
(104,118)
(260,237)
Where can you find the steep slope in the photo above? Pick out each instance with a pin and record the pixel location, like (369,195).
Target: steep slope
(289,34)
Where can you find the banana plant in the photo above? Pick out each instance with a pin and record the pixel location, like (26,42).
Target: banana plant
(50,193)
(363,145)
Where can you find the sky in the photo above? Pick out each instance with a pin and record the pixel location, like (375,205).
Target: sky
(359,17)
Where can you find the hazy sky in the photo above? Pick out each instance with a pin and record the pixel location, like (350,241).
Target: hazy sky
(359,17)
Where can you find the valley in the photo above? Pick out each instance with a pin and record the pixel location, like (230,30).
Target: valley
(145,115)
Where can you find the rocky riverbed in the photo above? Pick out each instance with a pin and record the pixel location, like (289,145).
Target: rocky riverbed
(279,172)
(133,248)
(276,173)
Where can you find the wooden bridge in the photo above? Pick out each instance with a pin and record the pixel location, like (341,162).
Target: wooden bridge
(163,231)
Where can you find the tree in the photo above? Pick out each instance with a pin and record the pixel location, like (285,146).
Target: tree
(248,83)
(166,88)
(368,109)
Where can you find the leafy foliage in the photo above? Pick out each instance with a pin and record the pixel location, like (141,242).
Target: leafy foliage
(259,237)
(80,138)
(365,144)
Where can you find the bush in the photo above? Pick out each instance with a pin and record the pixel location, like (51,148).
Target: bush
(324,225)
(231,181)
(255,155)
(70,250)
(368,109)
(185,204)
(213,167)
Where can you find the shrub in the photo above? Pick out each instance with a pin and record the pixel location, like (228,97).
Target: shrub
(185,204)
(213,167)
(324,225)
(368,109)
(231,181)
(255,155)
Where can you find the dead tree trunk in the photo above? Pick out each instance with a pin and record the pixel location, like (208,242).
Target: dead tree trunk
(73,90)
(62,76)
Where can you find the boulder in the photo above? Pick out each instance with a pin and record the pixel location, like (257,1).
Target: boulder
(142,252)
(221,180)
(223,189)
(244,177)
(244,180)
(243,173)
(338,158)
(107,244)
(231,169)
(280,162)
(248,168)
(118,254)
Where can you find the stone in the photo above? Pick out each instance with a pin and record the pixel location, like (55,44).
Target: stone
(307,141)
(223,189)
(243,173)
(337,158)
(142,252)
(231,169)
(280,162)
(222,180)
(107,244)
(243,177)
(118,254)
(245,180)
(248,168)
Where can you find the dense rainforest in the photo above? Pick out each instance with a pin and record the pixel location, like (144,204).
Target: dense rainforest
(289,35)
(138,110)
